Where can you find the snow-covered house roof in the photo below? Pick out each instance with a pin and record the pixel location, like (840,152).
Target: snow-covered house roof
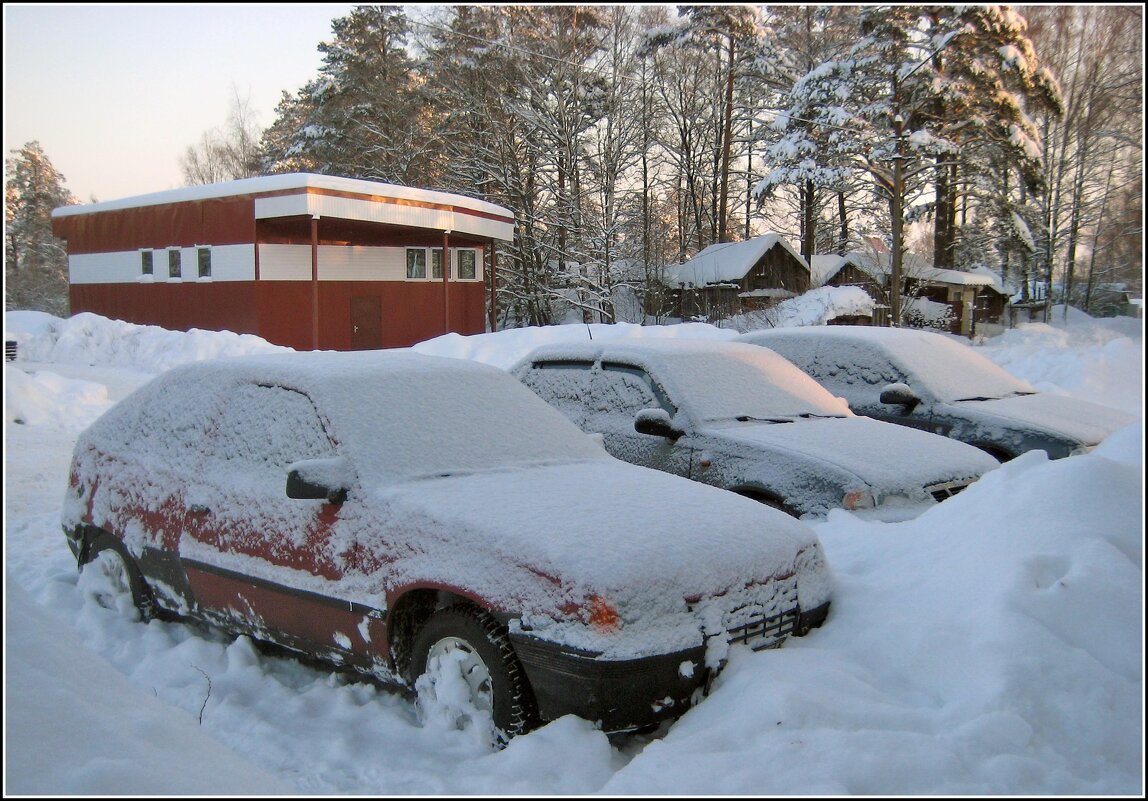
(726,262)
(879,265)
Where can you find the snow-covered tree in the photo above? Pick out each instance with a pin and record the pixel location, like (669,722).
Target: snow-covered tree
(363,116)
(35,261)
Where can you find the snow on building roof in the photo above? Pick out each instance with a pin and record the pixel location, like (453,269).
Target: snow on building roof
(879,265)
(726,262)
(321,196)
(267,184)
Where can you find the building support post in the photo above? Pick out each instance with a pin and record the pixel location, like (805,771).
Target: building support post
(493,292)
(315,282)
(445,282)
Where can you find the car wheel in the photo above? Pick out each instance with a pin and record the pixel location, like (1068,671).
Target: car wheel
(111,581)
(466,674)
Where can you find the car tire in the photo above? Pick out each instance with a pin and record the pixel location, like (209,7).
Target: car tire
(112,581)
(465,672)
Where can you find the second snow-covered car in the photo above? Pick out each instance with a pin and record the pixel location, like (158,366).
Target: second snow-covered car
(739,417)
(930,381)
(425,519)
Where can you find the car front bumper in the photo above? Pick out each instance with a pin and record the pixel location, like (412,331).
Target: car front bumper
(628,694)
(621,695)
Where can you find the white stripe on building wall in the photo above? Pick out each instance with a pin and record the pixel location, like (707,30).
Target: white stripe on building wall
(237,263)
(344,263)
(284,262)
(228,263)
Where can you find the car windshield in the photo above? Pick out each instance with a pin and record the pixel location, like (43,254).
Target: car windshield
(750,385)
(441,422)
(952,372)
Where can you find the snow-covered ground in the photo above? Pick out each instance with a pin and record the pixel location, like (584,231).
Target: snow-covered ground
(991,645)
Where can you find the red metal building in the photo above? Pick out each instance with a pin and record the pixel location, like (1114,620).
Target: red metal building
(307,261)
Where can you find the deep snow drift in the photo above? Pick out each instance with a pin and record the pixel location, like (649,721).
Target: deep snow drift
(991,645)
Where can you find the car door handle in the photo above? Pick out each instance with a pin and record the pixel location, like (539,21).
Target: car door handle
(199,509)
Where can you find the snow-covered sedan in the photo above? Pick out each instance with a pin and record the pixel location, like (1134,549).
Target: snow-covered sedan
(739,417)
(932,382)
(430,520)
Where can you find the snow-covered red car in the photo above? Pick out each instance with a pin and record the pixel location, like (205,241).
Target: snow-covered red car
(930,381)
(739,417)
(430,520)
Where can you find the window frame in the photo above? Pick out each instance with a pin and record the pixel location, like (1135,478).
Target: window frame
(203,257)
(412,251)
(175,263)
(147,262)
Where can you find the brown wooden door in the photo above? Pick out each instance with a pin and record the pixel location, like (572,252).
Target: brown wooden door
(366,322)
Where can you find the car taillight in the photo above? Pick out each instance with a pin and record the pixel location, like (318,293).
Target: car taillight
(858,499)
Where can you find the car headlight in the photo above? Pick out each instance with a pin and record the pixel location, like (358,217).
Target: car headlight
(858,499)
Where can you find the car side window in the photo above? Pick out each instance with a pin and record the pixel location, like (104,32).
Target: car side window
(854,371)
(263,429)
(565,385)
(625,389)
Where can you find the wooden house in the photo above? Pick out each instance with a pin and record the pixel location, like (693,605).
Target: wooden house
(306,261)
(731,277)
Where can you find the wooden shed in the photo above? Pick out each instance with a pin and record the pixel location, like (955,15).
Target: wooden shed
(730,277)
(307,261)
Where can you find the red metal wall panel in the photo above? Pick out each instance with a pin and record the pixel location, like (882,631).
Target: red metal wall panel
(412,311)
(218,221)
(222,306)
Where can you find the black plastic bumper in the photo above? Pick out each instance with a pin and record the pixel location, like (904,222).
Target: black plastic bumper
(620,694)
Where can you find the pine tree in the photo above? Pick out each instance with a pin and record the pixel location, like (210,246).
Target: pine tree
(35,261)
(363,116)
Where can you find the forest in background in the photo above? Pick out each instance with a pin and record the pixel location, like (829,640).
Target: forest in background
(629,138)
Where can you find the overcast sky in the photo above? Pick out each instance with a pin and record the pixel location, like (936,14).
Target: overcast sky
(116,94)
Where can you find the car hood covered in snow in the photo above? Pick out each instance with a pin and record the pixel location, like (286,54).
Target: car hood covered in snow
(1088,423)
(890,459)
(575,523)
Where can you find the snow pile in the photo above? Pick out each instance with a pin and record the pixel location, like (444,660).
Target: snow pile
(1100,360)
(88,339)
(815,307)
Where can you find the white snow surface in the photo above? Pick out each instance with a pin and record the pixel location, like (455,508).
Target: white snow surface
(992,645)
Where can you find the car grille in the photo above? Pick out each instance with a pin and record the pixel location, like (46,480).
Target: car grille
(760,616)
(766,632)
(942,491)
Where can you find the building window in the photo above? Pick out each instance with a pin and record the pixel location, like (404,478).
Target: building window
(205,262)
(146,262)
(174,270)
(436,264)
(466,262)
(416,263)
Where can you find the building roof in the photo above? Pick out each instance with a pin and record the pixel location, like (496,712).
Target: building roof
(726,262)
(879,265)
(327,195)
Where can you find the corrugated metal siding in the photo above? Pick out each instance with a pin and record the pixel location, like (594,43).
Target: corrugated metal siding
(224,221)
(175,305)
(411,312)
(351,263)
(284,262)
(405,213)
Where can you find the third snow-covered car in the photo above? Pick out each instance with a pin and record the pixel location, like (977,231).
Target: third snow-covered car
(426,520)
(744,419)
(930,381)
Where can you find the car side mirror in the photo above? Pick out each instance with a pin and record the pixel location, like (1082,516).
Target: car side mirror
(900,395)
(656,423)
(319,479)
